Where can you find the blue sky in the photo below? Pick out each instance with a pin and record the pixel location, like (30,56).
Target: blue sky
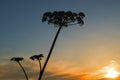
(23,34)
(21,26)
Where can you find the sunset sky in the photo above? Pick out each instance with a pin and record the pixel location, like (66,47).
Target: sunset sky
(80,52)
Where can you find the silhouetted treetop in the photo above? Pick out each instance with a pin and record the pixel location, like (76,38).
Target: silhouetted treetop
(62,18)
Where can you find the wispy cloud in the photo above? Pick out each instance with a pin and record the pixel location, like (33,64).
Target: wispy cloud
(12,71)
(55,71)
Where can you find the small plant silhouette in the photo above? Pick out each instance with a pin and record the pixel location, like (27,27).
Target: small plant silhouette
(18,59)
(38,58)
(60,19)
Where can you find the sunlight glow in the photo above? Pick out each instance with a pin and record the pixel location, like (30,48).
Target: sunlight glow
(111,73)
(111,70)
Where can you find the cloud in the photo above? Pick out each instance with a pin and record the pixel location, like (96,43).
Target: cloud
(118,78)
(12,71)
(56,71)
(61,77)
(9,72)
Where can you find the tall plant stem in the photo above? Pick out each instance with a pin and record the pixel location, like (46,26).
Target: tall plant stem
(51,49)
(40,69)
(23,70)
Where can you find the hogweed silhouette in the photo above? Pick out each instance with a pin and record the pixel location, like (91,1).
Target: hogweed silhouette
(38,58)
(18,59)
(60,19)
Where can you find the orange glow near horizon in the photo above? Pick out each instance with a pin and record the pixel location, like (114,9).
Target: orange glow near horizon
(111,73)
(106,71)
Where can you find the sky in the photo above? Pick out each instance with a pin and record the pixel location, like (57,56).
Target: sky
(79,51)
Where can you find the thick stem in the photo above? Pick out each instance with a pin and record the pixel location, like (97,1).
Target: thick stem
(51,49)
(23,70)
(40,69)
